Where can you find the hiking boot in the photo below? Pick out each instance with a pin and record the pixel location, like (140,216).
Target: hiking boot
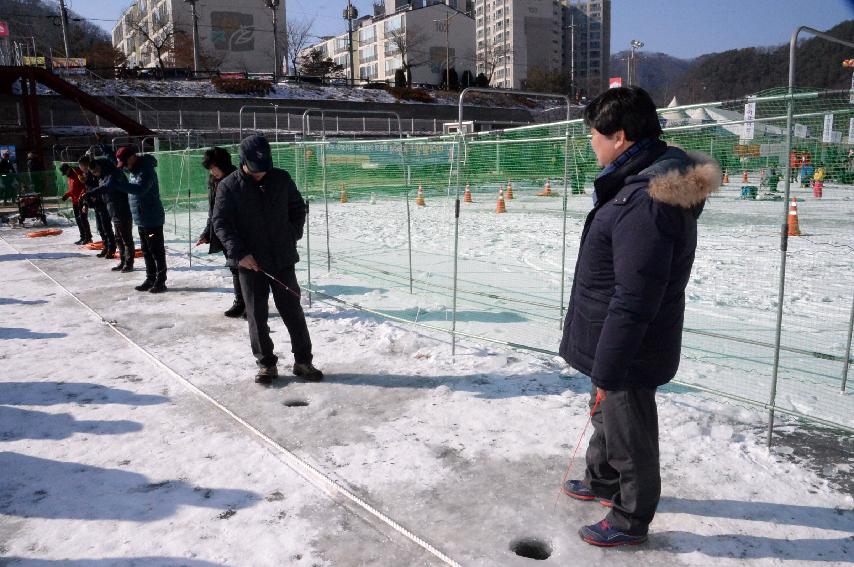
(158,288)
(102,253)
(603,534)
(578,490)
(127,268)
(266,375)
(145,286)
(307,371)
(237,310)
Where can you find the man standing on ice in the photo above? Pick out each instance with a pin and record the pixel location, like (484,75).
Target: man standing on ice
(258,216)
(623,327)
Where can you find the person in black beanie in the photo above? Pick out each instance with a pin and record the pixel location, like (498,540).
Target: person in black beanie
(218,162)
(118,206)
(259,216)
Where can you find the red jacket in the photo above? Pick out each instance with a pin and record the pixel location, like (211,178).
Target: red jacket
(76,188)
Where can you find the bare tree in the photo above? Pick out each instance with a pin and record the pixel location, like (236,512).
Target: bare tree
(159,36)
(298,34)
(408,45)
(489,58)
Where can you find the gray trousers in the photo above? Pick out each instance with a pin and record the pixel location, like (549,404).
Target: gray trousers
(622,457)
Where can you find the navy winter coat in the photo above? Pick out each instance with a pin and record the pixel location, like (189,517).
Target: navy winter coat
(116,201)
(144,190)
(623,327)
(263,219)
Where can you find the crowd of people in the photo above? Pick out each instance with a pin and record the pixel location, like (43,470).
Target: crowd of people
(623,324)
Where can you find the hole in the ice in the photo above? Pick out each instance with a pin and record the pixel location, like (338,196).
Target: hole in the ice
(531,548)
(295,403)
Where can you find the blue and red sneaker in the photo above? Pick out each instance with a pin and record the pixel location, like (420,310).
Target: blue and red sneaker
(603,534)
(578,490)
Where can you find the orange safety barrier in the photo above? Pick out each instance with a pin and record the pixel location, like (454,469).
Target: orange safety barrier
(46,232)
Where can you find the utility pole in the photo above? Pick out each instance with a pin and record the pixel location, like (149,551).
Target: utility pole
(63,16)
(350,14)
(572,53)
(196,42)
(447,21)
(274,6)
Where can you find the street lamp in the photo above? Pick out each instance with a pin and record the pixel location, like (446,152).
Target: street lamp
(192,4)
(635,44)
(274,6)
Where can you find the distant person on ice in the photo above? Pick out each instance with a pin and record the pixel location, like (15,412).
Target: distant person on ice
(623,327)
(77,192)
(148,214)
(218,163)
(259,215)
(8,177)
(118,207)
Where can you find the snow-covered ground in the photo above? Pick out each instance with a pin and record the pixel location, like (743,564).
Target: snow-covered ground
(108,459)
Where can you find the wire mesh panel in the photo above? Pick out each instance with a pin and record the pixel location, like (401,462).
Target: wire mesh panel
(385,235)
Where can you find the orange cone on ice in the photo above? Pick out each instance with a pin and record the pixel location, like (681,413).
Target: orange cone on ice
(344,198)
(794,227)
(509,194)
(744,177)
(726,177)
(501,207)
(547,190)
(419,200)
(467,195)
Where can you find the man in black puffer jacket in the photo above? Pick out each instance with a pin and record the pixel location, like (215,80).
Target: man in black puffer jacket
(623,327)
(118,207)
(259,216)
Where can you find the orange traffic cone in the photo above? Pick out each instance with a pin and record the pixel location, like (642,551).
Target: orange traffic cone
(744,177)
(419,200)
(726,177)
(500,207)
(794,227)
(467,196)
(509,194)
(344,198)
(547,190)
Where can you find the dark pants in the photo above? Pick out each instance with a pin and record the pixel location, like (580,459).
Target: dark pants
(622,458)
(235,278)
(256,293)
(123,231)
(104,226)
(81,215)
(154,253)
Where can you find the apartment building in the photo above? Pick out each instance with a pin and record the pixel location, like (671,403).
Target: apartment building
(377,58)
(232,36)
(516,36)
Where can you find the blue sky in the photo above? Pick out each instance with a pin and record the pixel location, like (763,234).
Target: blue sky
(683,28)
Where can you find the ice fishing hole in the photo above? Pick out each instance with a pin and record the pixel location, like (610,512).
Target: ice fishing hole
(532,548)
(295,403)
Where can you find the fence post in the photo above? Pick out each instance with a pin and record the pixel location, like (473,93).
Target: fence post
(848,348)
(326,205)
(389,125)
(461,137)
(409,237)
(308,243)
(337,124)
(413,125)
(189,216)
(498,154)
(218,121)
(434,125)
(289,121)
(180,119)
(563,239)
(254,121)
(364,124)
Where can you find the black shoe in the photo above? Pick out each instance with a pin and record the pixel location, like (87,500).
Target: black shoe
(102,253)
(85,241)
(158,288)
(110,254)
(266,375)
(308,372)
(127,268)
(79,242)
(119,268)
(145,286)
(237,310)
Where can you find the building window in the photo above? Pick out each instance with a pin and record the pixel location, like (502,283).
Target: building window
(392,25)
(367,35)
(368,54)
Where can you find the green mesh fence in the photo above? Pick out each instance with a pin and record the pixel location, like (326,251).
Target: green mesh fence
(383,236)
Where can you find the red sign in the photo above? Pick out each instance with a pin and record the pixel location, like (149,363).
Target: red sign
(4,29)
(615,82)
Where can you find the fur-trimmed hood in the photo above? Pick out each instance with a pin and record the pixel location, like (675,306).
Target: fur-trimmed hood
(682,179)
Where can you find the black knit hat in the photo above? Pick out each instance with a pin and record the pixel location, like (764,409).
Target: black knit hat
(255,154)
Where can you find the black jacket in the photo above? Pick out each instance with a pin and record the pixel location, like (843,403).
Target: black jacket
(117,201)
(208,233)
(262,219)
(623,327)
